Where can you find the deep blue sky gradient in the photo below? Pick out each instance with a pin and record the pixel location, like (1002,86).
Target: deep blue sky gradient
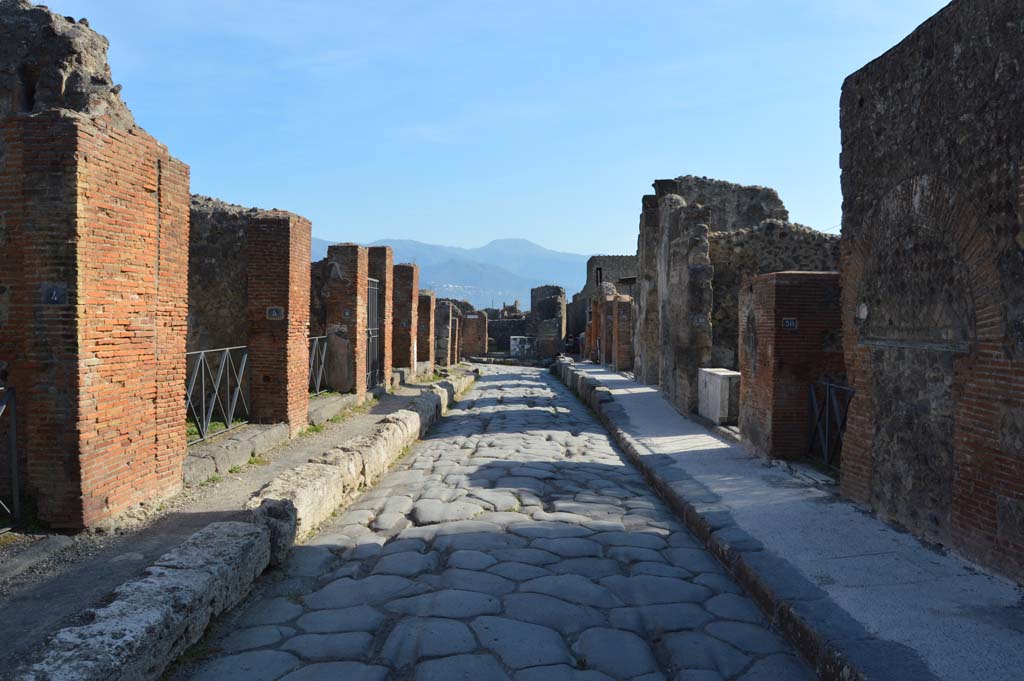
(457,122)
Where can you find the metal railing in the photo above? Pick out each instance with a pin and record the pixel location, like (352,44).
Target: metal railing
(829,407)
(216,390)
(318,365)
(8,407)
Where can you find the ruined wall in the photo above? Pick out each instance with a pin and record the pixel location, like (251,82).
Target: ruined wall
(404,328)
(622,333)
(548,314)
(501,330)
(382,268)
(647,335)
(730,206)
(91,207)
(474,334)
(338,299)
(425,323)
(933,282)
(684,299)
(791,337)
(444,313)
(772,246)
(217,287)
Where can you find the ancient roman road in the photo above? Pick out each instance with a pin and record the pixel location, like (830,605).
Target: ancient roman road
(514,542)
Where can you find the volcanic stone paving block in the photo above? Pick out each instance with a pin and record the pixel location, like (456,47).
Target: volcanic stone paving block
(514,543)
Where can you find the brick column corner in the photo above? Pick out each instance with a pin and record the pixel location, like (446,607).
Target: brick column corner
(382,269)
(405,307)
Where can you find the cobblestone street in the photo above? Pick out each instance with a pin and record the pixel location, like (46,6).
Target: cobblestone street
(513,543)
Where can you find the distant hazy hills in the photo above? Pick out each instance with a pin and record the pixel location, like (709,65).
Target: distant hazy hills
(501,271)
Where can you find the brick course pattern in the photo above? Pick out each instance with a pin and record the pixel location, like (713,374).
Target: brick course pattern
(93,303)
(791,336)
(338,302)
(933,282)
(382,269)
(405,324)
(474,334)
(278,282)
(425,324)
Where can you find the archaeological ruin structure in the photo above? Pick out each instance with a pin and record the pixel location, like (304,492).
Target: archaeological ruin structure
(698,239)
(618,270)
(933,282)
(75,168)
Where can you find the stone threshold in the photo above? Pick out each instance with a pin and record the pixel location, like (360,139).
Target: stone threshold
(860,599)
(150,621)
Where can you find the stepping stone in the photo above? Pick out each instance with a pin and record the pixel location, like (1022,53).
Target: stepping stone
(432,511)
(592,568)
(560,672)
(520,644)
(407,563)
(638,539)
(412,639)
(471,560)
(620,654)
(573,588)
(733,607)
(271,611)
(778,667)
(358,618)
(569,547)
(258,665)
(346,592)
(519,572)
(347,646)
(649,590)
(453,603)
(567,618)
(750,638)
(650,620)
(254,637)
(350,671)
(460,668)
(691,650)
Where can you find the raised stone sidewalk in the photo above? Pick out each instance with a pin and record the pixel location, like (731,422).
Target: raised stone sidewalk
(860,598)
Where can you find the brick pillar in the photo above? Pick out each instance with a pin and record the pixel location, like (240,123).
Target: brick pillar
(277,275)
(622,333)
(474,334)
(405,327)
(93,305)
(443,337)
(382,269)
(344,302)
(425,329)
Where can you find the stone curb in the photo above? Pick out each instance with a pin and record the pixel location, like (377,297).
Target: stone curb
(152,620)
(730,546)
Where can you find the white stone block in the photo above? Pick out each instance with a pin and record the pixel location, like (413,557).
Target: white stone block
(718,392)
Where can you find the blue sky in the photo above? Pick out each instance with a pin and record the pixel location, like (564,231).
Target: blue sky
(457,122)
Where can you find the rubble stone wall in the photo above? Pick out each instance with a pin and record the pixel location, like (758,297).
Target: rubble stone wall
(772,246)
(382,268)
(647,335)
(425,325)
(474,334)
(338,299)
(405,326)
(933,282)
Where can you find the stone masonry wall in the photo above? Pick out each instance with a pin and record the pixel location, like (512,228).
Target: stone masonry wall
(338,299)
(933,281)
(382,268)
(425,324)
(647,335)
(731,206)
(443,315)
(791,337)
(622,333)
(684,299)
(772,246)
(474,334)
(405,326)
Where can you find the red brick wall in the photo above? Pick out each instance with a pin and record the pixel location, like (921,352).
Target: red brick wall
(382,269)
(474,334)
(406,315)
(425,328)
(95,258)
(344,301)
(278,280)
(622,333)
(777,365)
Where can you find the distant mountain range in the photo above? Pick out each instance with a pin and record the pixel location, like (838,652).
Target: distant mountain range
(501,271)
